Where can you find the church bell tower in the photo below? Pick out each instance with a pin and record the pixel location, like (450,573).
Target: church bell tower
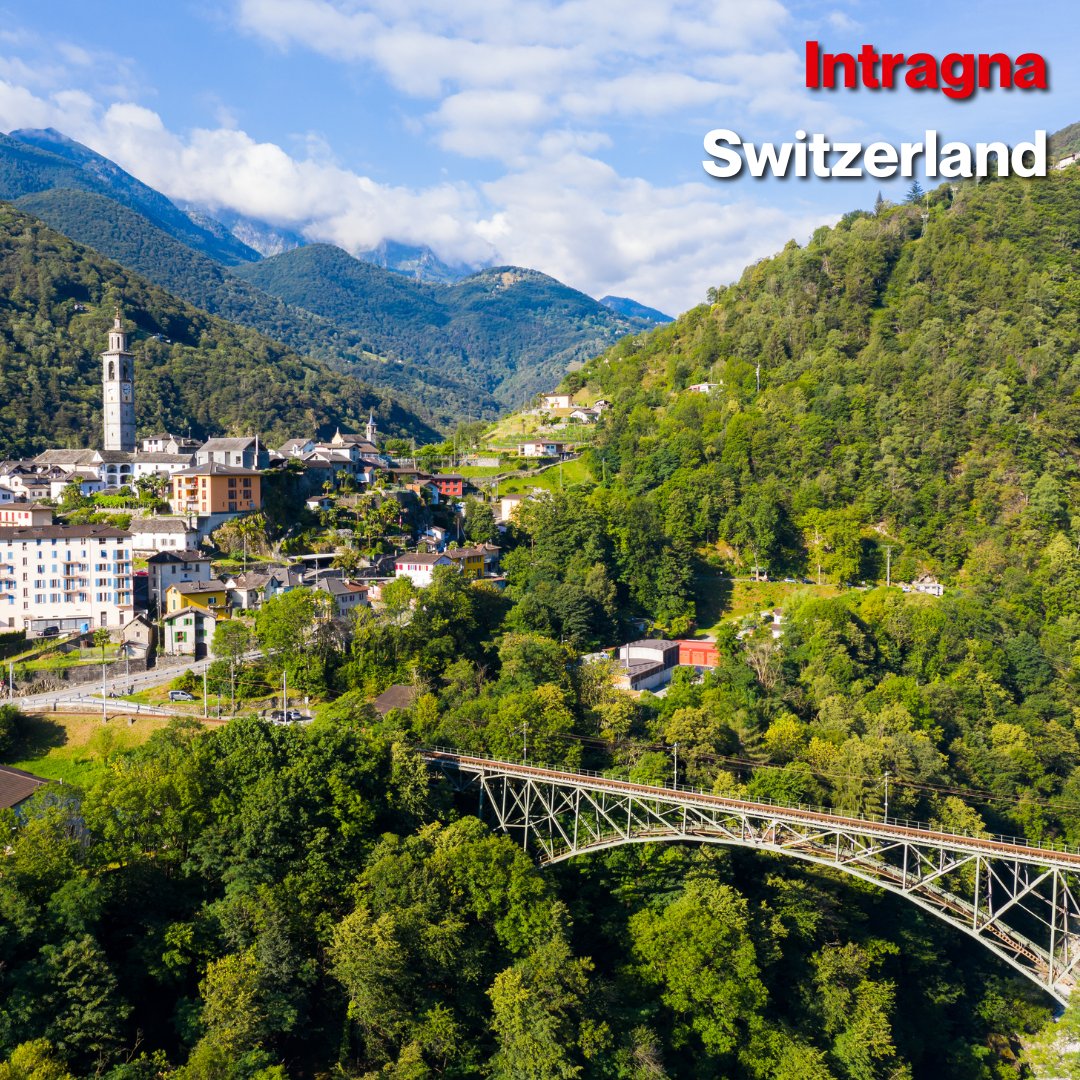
(118,380)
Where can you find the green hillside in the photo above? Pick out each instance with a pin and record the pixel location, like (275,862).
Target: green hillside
(33,161)
(135,242)
(507,332)
(918,379)
(210,376)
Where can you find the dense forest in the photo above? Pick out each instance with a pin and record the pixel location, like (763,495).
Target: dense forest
(193,371)
(136,243)
(508,332)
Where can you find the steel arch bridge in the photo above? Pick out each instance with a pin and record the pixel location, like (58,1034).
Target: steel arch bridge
(1019,899)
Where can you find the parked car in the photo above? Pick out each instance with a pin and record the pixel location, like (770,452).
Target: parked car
(50,631)
(293,715)
(180,695)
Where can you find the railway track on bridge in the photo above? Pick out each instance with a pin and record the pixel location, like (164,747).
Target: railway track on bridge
(1019,898)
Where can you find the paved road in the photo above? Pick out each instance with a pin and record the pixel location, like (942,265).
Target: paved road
(118,684)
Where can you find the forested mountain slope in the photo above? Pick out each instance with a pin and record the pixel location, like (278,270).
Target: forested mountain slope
(506,331)
(135,242)
(918,381)
(33,161)
(210,376)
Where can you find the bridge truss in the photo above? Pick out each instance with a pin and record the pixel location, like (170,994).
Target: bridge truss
(1019,899)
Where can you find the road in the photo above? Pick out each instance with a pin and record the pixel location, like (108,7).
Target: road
(119,684)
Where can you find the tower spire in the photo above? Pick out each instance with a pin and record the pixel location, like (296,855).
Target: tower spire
(118,390)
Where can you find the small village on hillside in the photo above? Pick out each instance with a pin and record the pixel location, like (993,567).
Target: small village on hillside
(138,553)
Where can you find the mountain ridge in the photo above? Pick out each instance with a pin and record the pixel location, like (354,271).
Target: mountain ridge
(193,370)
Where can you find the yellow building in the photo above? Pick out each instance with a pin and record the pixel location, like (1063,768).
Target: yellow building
(216,489)
(208,595)
(473,561)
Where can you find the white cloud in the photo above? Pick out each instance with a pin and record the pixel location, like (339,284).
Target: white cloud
(539,85)
(653,61)
(565,212)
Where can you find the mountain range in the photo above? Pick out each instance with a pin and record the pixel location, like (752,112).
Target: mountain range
(460,343)
(194,372)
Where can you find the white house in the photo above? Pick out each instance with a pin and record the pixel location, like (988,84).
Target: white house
(167,568)
(703,387)
(189,632)
(244,453)
(927,585)
(346,595)
(162,534)
(419,567)
(541,448)
(16,512)
(72,577)
(585,416)
(556,401)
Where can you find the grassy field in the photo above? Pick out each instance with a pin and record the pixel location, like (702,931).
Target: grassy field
(75,748)
(721,600)
(564,475)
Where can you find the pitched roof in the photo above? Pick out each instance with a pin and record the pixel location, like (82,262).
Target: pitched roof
(211,445)
(62,532)
(160,525)
(187,588)
(398,696)
(16,785)
(66,457)
(422,558)
(185,555)
(159,457)
(214,468)
(206,613)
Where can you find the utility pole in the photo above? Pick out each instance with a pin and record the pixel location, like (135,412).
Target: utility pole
(888,564)
(886,817)
(11,678)
(675,783)
(104,696)
(205,697)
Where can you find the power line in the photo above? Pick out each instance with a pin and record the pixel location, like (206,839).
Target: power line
(972,794)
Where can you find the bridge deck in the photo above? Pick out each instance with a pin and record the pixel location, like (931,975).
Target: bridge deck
(1044,854)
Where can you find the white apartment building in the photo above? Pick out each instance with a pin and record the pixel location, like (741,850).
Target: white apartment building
(72,577)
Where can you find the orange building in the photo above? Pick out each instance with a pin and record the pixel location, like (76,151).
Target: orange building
(216,489)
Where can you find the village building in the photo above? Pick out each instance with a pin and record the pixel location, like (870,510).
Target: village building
(165,568)
(541,448)
(149,535)
(137,637)
(508,506)
(67,577)
(215,489)
(18,513)
(420,568)
(345,596)
(557,401)
(169,444)
(189,631)
(450,486)
(207,594)
(243,453)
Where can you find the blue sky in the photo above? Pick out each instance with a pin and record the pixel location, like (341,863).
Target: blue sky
(565,136)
